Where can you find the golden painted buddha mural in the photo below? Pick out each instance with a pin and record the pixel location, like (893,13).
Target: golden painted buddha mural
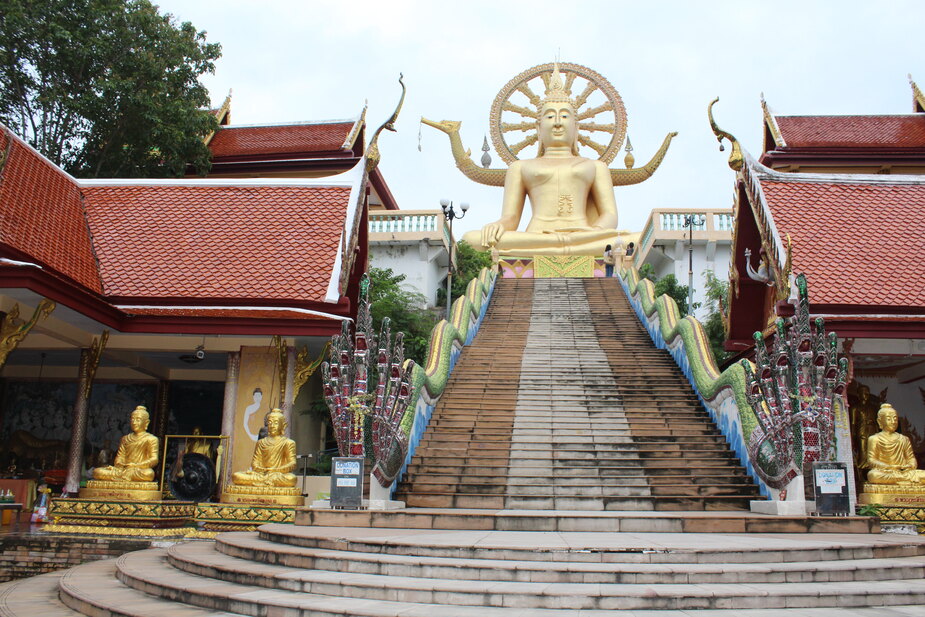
(571,196)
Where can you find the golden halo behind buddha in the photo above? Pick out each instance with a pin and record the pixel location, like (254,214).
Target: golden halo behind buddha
(598,106)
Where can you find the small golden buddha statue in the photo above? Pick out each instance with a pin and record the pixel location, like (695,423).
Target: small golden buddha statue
(574,212)
(131,476)
(889,455)
(270,479)
(199,445)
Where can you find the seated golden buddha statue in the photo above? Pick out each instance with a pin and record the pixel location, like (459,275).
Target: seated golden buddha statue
(890,459)
(131,476)
(574,212)
(270,478)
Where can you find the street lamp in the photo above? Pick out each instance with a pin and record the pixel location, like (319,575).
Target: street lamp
(449,214)
(690,221)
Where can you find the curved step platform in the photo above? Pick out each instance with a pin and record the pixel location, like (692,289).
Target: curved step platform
(301,571)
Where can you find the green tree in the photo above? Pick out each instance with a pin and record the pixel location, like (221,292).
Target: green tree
(469,262)
(405,308)
(668,285)
(106,87)
(717,295)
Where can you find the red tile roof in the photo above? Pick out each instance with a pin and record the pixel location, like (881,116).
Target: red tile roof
(899,131)
(860,242)
(41,214)
(273,243)
(231,141)
(226,312)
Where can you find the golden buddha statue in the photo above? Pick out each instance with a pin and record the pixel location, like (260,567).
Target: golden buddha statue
(574,211)
(131,476)
(889,455)
(199,445)
(270,479)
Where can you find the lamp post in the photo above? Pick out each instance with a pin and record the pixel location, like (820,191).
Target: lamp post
(449,214)
(689,221)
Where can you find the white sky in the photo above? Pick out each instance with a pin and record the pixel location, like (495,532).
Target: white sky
(314,60)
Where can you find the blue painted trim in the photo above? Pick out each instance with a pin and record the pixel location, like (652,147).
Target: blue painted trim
(731,431)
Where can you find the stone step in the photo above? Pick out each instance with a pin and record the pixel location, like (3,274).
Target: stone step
(93,589)
(203,560)
(36,596)
(589,503)
(380,560)
(588,487)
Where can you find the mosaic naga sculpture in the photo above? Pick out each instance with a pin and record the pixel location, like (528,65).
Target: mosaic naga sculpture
(793,391)
(368,423)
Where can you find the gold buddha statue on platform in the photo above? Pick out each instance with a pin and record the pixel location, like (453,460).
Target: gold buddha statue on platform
(574,212)
(131,476)
(893,477)
(269,480)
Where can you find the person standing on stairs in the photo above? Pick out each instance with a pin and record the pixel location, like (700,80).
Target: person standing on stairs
(609,261)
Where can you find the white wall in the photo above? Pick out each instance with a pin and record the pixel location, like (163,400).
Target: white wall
(673,259)
(423,265)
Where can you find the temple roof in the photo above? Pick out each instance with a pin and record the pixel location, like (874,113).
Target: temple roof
(292,139)
(858,239)
(194,247)
(885,131)
(216,241)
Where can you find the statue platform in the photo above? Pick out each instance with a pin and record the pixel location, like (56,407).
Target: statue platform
(121,517)
(262,495)
(897,504)
(218,517)
(551,266)
(122,491)
(892,495)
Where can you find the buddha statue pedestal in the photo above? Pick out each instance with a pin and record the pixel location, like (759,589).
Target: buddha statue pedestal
(551,266)
(121,491)
(111,517)
(262,495)
(214,518)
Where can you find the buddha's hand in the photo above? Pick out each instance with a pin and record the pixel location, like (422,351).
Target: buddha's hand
(491,233)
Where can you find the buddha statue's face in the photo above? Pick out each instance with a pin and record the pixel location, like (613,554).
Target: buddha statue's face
(138,421)
(888,420)
(275,424)
(557,126)
(864,394)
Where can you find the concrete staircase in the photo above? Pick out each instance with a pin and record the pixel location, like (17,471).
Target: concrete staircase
(562,402)
(325,572)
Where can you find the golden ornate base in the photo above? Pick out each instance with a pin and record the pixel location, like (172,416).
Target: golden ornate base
(144,516)
(122,491)
(103,530)
(262,495)
(893,495)
(216,517)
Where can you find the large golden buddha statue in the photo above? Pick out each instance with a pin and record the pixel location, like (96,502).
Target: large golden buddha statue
(890,459)
(270,479)
(131,476)
(573,207)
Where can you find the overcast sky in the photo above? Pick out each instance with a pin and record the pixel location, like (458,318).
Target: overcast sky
(313,60)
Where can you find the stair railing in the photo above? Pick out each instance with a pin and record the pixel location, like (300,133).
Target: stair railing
(725,394)
(447,340)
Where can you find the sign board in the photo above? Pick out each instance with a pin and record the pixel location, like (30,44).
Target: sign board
(347,482)
(831,483)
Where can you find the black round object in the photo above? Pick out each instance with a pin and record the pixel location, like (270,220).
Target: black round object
(196,481)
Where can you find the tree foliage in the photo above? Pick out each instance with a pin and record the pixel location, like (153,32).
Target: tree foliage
(717,295)
(405,308)
(469,263)
(106,87)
